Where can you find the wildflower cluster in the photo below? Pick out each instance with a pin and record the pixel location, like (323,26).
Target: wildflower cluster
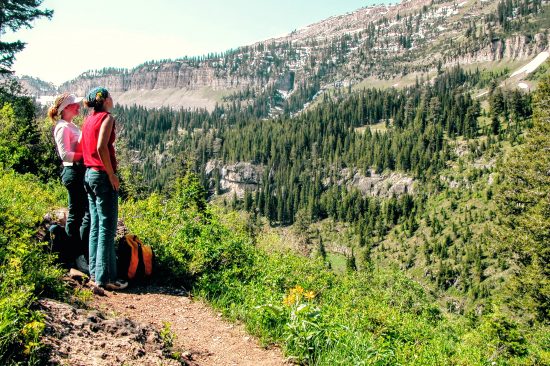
(297,295)
(304,331)
(31,333)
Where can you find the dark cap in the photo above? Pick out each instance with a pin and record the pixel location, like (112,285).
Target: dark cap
(97,92)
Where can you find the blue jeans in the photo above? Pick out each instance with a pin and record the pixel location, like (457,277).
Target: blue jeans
(103,200)
(78,219)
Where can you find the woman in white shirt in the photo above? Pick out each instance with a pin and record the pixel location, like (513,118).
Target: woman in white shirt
(67,139)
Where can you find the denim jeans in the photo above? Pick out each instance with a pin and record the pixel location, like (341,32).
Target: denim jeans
(103,200)
(78,219)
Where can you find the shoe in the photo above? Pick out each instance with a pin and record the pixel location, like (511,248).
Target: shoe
(116,285)
(82,264)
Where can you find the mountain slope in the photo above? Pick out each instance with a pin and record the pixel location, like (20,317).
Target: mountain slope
(397,42)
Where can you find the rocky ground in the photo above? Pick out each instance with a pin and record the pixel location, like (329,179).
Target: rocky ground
(131,328)
(81,337)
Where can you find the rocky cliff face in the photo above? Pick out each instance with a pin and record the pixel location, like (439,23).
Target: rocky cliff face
(378,185)
(176,84)
(36,87)
(385,42)
(179,75)
(515,48)
(236,179)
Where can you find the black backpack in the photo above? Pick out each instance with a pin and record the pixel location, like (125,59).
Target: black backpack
(59,244)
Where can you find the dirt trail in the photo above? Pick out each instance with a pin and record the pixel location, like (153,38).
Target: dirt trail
(200,332)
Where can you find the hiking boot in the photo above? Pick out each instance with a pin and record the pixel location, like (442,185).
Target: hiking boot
(82,264)
(116,285)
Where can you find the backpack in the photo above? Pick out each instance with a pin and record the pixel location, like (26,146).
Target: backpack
(135,259)
(59,243)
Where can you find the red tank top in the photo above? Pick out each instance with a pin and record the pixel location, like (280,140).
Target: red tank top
(90,135)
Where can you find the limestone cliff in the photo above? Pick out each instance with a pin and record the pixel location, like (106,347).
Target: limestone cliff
(386,42)
(236,179)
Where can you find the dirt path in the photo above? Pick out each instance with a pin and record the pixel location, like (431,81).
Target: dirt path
(200,332)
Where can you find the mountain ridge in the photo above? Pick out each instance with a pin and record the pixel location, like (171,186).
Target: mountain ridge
(382,42)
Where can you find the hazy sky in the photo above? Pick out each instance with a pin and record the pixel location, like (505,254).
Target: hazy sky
(85,35)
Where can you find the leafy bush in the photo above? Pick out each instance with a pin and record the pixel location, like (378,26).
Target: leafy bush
(26,145)
(26,271)
(191,244)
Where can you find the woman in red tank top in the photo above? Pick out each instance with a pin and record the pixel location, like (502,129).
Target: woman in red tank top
(101,183)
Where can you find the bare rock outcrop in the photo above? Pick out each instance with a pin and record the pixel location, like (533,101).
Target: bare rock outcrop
(515,48)
(167,75)
(244,176)
(386,184)
(236,178)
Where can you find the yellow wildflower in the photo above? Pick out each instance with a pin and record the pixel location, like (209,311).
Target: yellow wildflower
(298,290)
(15,263)
(290,300)
(33,328)
(309,295)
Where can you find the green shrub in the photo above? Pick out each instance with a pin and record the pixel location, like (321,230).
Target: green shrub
(26,271)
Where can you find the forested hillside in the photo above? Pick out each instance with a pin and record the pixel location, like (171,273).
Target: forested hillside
(473,231)
(438,228)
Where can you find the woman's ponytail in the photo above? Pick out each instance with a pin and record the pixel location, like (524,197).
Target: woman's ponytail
(53,111)
(96,98)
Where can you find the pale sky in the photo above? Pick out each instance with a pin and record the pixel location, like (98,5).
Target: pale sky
(89,35)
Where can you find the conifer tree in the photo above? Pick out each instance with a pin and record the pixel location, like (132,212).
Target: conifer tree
(322,250)
(15,14)
(524,202)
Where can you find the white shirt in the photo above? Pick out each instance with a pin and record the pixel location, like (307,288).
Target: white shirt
(66,135)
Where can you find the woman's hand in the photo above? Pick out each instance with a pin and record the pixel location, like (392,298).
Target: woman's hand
(114,181)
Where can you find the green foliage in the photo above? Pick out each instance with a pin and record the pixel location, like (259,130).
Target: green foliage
(190,193)
(26,272)
(191,243)
(26,145)
(374,317)
(524,203)
(505,336)
(167,336)
(304,332)
(511,13)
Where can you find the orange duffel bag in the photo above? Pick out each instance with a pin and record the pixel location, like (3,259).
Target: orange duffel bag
(135,259)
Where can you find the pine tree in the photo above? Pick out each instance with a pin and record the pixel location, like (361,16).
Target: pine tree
(15,15)
(524,203)
(351,263)
(322,250)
